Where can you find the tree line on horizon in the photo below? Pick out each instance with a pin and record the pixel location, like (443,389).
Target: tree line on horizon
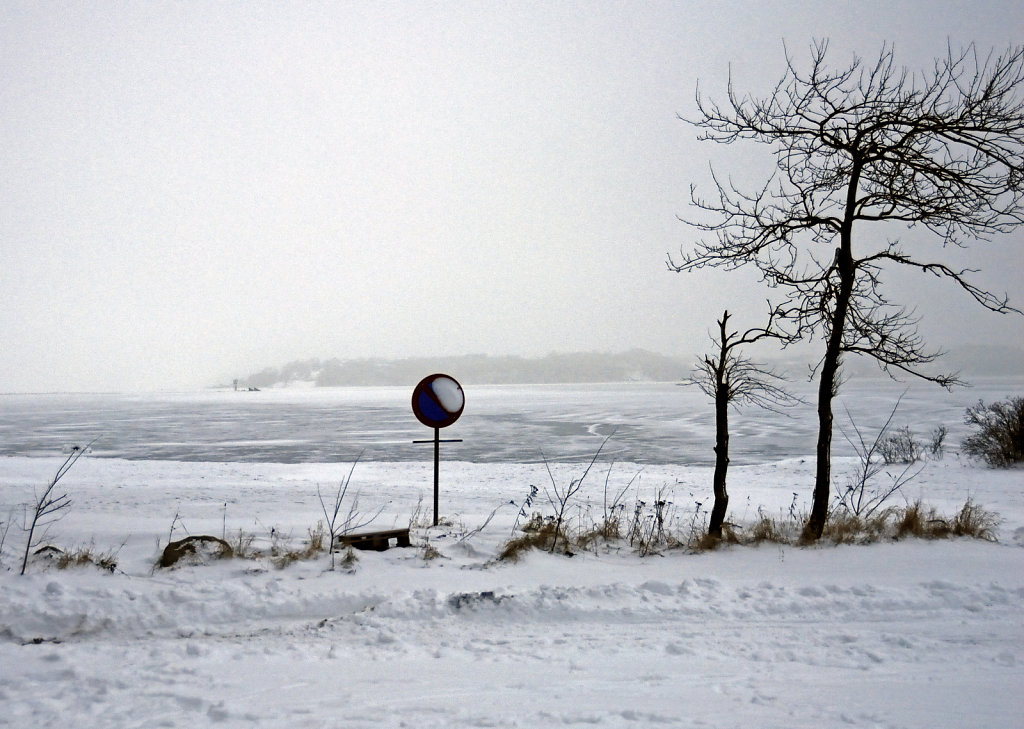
(636,365)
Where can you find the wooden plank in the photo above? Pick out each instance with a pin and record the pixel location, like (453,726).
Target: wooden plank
(376,541)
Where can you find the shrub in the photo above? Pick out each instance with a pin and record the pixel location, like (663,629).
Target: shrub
(999,439)
(49,506)
(900,446)
(938,444)
(337,524)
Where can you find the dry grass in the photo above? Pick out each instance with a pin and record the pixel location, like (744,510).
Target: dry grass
(78,557)
(281,557)
(514,549)
(429,552)
(607,531)
(766,529)
(925,523)
(847,528)
(730,535)
(973,521)
(915,521)
(537,533)
(843,527)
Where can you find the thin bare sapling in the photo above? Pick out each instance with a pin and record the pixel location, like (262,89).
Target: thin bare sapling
(613,511)
(338,524)
(560,497)
(861,496)
(49,506)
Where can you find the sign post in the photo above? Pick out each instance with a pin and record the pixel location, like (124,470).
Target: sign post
(437,402)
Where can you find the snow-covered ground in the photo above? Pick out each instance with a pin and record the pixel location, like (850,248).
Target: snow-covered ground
(911,634)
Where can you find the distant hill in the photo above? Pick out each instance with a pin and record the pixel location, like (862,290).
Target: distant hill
(476,369)
(636,365)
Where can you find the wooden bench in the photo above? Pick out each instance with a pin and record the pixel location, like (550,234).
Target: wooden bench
(376,541)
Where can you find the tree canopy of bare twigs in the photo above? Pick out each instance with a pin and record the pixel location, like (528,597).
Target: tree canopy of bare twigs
(735,378)
(862,150)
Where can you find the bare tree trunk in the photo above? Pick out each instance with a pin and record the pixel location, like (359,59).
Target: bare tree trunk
(723,394)
(721,461)
(823,470)
(728,379)
(828,386)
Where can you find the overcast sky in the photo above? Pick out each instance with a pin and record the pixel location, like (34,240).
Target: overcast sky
(192,191)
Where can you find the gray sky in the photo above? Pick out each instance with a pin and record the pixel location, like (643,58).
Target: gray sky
(193,191)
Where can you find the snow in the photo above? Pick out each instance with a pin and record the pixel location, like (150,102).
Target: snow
(449,394)
(911,634)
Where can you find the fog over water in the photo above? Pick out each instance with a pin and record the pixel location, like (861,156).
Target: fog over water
(191,192)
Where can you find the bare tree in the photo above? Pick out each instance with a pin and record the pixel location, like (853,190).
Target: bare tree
(49,506)
(867,146)
(337,524)
(731,379)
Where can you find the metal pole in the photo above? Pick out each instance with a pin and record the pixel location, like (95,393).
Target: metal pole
(437,469)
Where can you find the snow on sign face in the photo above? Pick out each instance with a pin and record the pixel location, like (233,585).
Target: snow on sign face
(449,394)
(438,401)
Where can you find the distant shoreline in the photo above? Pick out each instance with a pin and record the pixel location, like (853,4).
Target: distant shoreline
(636,365)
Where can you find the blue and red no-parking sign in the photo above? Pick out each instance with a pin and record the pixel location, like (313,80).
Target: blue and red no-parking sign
(438,401)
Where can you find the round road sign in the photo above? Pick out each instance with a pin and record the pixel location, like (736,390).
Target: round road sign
(438,401)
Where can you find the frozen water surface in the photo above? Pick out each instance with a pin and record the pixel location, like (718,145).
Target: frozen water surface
(652,423)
